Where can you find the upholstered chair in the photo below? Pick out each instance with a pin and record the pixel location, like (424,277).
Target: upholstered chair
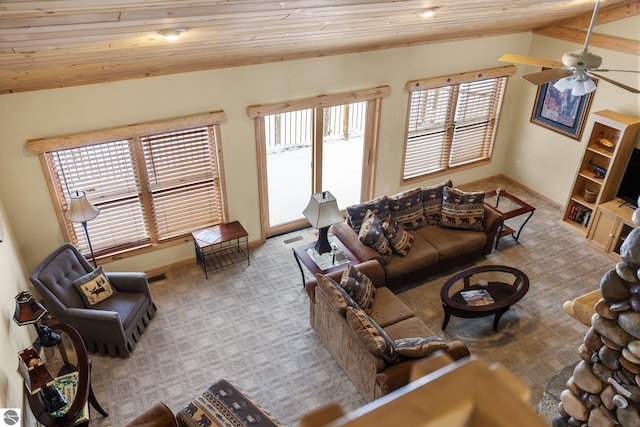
(111,326)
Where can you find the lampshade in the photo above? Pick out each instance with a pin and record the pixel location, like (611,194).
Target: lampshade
(322,210)
(33,371)
(28,310)
(579,83)
(80,208)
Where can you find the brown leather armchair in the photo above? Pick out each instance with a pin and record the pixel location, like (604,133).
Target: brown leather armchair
(112,326)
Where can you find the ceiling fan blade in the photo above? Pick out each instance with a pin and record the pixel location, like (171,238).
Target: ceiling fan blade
(613,82)
(601,70)
(546,76)
(528,60)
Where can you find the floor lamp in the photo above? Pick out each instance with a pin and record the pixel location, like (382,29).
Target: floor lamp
(81,210)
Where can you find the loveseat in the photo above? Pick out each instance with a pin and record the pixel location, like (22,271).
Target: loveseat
(443,226)
(374,374)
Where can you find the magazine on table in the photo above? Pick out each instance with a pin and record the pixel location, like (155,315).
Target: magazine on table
(477,297)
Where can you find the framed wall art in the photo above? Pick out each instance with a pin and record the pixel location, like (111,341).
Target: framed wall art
(561,111)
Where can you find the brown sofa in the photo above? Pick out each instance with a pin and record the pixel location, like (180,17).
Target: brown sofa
(435,249)
(371,375)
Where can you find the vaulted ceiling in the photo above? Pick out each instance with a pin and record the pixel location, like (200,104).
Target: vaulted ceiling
(59,43)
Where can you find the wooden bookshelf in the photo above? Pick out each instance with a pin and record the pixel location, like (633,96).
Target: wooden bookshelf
(608,148)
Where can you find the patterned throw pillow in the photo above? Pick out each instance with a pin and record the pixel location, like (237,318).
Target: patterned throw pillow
(462,209)
(371,234)
(399,239)
(359,287)
(374,338)
(432,202)
(407,209)
(337,295)
(419,346)
(356,213)
(94,287)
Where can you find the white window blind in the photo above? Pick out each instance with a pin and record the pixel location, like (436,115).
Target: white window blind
(451,125)
(148,188)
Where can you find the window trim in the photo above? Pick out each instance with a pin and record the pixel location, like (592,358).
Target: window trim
(41,146)
(441,81)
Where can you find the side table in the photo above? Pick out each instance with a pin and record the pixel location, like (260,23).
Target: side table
(508,206)
(336,260)
(221,245)
(66,360)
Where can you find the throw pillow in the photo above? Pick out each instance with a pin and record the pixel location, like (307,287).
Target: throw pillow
(419,346)
(407,209)
(371,234)
(356,213)
(399,239)
(374,338)
(432,202)
(462,209)
(94,287)
(359,287)
(336,294)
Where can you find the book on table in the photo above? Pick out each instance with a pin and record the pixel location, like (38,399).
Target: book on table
(68,387)
(477,297)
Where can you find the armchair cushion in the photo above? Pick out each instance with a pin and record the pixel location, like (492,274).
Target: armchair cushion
(94,287)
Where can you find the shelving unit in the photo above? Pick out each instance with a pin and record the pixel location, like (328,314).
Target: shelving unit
(602,167)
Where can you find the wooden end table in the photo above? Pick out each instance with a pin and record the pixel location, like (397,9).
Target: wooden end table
(508,206)
(503,294)
(221,245)
(336,260)
(63,360)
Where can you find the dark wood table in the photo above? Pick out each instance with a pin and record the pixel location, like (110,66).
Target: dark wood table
(508,206)
(221,245)
(503,293)
(336,260)
(67,357)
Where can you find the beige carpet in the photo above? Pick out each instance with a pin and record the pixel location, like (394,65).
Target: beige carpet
(250,324)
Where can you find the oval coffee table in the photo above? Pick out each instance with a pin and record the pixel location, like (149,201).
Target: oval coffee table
(501,296)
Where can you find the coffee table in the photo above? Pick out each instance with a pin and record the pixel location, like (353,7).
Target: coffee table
(505,285)
(336,260)
(508,206)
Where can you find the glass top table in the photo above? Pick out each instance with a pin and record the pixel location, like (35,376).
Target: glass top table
(508,206)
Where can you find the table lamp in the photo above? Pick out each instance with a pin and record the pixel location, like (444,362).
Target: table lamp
(38,380)
(29,311)
(322,212)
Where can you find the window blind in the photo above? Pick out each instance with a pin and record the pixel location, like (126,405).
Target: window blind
(451,125)
(148,187)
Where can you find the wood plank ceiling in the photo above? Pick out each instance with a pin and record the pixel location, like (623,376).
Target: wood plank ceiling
(59,43)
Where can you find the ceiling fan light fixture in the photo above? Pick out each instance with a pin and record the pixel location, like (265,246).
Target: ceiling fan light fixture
(565,83)
(583,87)
(172,34)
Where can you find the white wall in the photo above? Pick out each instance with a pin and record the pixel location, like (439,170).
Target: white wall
(535,156)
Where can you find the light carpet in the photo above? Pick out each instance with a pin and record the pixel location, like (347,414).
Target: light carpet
(251,324)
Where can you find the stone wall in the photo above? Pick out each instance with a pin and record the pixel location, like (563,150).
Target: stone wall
(604,390)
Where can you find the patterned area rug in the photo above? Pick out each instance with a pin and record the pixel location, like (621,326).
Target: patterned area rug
(251,325)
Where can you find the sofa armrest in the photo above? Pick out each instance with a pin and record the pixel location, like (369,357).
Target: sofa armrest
(158,415)
(350,239)
(491,224)
(399,375)
(372,269)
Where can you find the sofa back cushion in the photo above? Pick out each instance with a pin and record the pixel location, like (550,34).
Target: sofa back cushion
(432,201)
(462,209)
(374,338)
(337,296)
(407,209)
(356,213)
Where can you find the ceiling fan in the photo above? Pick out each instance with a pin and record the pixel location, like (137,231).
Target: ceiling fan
(575,70)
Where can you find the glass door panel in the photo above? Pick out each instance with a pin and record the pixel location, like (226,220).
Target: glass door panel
(342,152)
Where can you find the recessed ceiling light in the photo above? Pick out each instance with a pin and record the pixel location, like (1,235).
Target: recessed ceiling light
(173,34)
(428,13)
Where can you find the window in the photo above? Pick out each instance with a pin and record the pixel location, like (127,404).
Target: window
(452,121)
(152,183)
